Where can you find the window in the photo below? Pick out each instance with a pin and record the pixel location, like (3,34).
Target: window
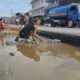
(56,1)
(73,8)
(79,8)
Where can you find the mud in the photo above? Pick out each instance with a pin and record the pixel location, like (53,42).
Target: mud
(45,61)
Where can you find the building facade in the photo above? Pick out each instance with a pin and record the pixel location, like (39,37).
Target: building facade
(38,7)
(63,2)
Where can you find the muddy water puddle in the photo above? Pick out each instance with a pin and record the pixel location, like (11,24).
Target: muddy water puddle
(45,61)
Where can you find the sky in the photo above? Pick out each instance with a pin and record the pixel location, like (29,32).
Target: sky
(8,7)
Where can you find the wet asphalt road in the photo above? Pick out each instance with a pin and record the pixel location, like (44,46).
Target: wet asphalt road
(46,61)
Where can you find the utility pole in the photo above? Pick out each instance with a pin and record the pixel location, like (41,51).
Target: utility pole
(11,12)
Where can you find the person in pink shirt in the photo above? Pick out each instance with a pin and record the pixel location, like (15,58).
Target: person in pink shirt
(1,24)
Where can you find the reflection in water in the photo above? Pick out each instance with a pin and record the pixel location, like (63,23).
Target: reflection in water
(60,50)
(29,51)
(1,40)
(51,49)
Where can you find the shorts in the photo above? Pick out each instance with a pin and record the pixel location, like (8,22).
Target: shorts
(24,35)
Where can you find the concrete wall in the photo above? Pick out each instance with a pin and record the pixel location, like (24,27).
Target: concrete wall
(65,38)
(38,7)
(10,20)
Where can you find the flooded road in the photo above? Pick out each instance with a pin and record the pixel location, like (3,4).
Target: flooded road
(46,61)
